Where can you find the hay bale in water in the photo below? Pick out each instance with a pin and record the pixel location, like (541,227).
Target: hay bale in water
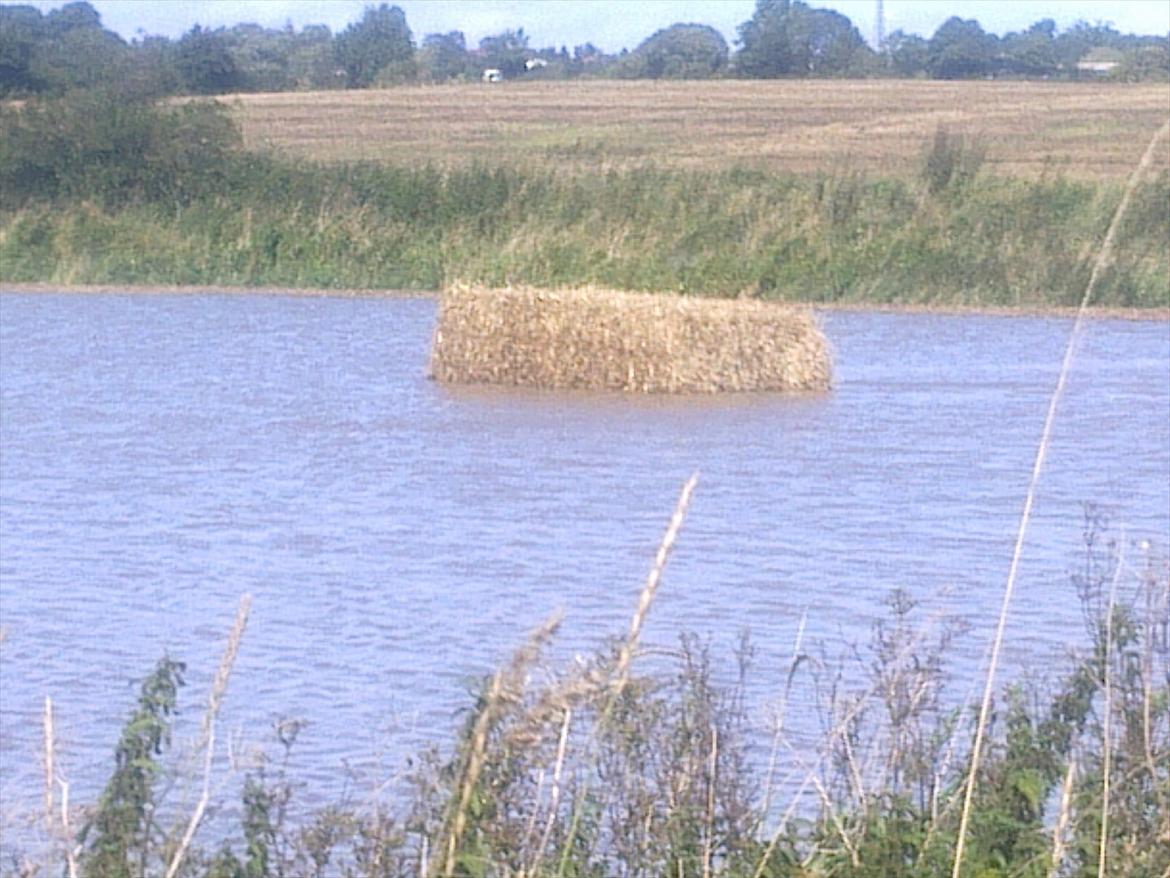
(605,340)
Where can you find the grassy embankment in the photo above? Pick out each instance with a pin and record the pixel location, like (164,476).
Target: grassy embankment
(715,192)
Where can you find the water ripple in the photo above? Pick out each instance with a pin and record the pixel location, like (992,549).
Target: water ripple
(160,456)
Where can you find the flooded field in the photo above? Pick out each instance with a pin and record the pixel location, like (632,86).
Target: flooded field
(160,456)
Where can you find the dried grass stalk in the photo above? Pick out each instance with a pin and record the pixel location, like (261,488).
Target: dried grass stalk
(1063,819)
(48,761)
(207,737)
(506,687)
(1104,257)
(650,589)
(594,339)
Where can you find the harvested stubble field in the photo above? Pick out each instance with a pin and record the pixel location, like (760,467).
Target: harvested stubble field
(1083,130)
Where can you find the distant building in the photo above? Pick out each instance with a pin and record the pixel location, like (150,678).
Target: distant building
(1100,61)
(535,64)
(492,74)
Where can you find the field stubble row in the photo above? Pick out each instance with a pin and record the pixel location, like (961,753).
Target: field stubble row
(1082,130)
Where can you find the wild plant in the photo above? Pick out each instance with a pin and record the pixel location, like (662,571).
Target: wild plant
(122,837)
(951,162)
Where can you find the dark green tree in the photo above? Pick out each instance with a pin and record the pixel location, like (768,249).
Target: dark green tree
(444,57)
(66,49)
(22,31)
(81,57)
(73,16)
(204,63)
(379,44)
(261,56)
(506,51)
(1075,42)
(586,53)
(1031,53)
(312,62)
(681,51)
(961,49)
(1147,63)
(588,60)
(906,55)
(763,41)
(785,38)
(114,147)
(152,71)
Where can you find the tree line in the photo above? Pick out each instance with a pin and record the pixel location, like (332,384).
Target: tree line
(68,48)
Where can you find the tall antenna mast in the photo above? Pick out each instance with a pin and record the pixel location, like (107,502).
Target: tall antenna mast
(879,29)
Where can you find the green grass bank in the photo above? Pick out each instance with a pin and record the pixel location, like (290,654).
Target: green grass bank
(827,239)
(92,195)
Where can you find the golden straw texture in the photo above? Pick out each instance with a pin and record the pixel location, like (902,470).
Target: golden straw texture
(593,339)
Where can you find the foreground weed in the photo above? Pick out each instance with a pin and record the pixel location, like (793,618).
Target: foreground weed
(557,772)
(122,836)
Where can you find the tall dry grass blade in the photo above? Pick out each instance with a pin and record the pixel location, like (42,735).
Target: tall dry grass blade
(838,730)
(835,818)
(709,826)
(1060,830)
(1104,256)
(555,794)
(780,715)
(530,829)
(1107,723)
(49,772)
(504,684)
(57,824)
(207,736)
(72,850)
(762,865)
(475,762)
(855,773)
(621,672)
(1157,608)
(646,598)
(829,810)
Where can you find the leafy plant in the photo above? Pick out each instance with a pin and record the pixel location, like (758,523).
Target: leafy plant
(113,148)
(951,163)
(120,836)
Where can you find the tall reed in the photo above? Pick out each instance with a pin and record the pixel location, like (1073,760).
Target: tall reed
(1104,255)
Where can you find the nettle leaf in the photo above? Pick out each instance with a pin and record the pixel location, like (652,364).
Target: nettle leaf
(473,864)
(1029,784)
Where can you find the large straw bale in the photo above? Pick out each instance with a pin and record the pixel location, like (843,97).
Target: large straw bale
(604,340)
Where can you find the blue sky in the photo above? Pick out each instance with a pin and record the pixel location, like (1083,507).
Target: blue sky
(610,24)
